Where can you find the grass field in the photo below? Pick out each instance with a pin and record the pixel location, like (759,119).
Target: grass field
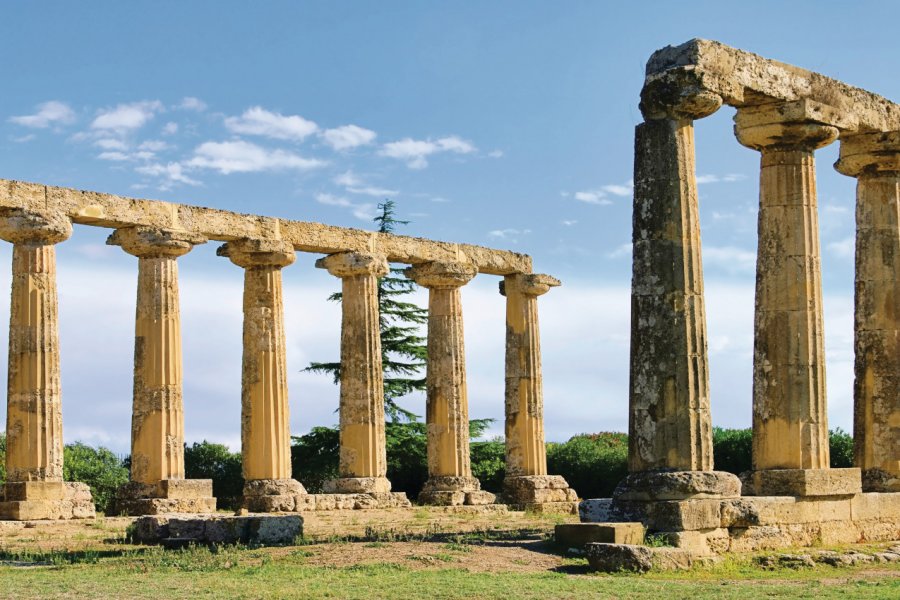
(423,556)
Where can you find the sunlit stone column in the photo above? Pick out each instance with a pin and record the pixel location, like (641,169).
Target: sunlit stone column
(265,422)
(526,479)
(363,456)
(874,159)
(157,421)
(450,478)
(790,423)
(34,440)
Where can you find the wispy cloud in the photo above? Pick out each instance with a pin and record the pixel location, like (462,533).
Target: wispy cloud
(620,251)
(170,128)
(729,178)
(125,118)
(170,173)
(730,259)
(191,103)
(600,196)
(46,114)
(244,157)
(259,121)
(508,234)
(845,248)
(593,197)
(415,152)
(568,222)
(364,211)
(496,154)
(354,184)
(347,137)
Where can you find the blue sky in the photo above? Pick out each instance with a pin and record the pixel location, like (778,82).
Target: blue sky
(508,124)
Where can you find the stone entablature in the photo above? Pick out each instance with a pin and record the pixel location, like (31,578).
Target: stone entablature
(34,218)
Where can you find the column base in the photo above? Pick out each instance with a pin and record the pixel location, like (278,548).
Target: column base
(646,486)
(166,496)
(451,490)
(274,495)
(357,485)
(880,480)
(46,500)
(525,490)
(803,482)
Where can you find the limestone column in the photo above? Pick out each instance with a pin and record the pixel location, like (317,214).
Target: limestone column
(669,423)
(265,422)
(157,421)
(34,438)
(874,159)
(363,455)
(526,479)
(450,478)
(790,424)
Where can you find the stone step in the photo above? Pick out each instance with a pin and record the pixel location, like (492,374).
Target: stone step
(578,535)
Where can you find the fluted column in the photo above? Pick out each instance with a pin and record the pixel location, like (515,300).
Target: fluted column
(450,478)
(265,420)
(157,418)
(526,480)
(790,422)
(874,159)
(669,423)
(34,439)
(363,455)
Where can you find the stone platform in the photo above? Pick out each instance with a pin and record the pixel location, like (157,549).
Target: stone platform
(175,531)
(454,491)
(40,500)
(166,496)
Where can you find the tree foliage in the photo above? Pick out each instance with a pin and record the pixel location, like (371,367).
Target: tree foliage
(102,470)
(206,460)
(403,349)
(315,457)
(593,464)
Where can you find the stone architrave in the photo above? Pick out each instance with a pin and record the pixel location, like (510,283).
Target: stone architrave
(526,479)
(363,454)
(874,159)
(450,480)
(157,421)
(265,421)
(34,486)
(669,423)
(790,424)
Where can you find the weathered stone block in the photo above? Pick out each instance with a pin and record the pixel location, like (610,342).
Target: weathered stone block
(442,498)
(678,485)
(550,508)
(807,482)
(185,488)
(215,529)
(280,503)
(577,535)
(670,515)
(613,558)
(479,498)
(358,485)
(34,490)
(595,510)
(876,506)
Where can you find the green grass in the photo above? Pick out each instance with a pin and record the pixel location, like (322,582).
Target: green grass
(236,572)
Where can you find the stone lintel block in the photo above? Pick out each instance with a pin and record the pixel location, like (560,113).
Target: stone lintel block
(614,558)
(358,485)
(806,482)
(594,510)
(34,490)
(803,110)
(678,485)
(577,535)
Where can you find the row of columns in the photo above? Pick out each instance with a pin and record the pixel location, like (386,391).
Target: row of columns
(669,398)
(34,419)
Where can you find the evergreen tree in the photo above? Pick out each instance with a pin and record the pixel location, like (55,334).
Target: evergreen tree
(403,350)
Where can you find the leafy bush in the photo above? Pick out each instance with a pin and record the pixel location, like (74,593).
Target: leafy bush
(732,450)
(840,444)
(314,457)
(593,464)
(407,451)
(206,460)
(99,468)
(489,463)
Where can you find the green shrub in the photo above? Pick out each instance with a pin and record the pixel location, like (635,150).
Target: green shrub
(732,450)
(102,470)
(206,460)
(840,444)
(314,457)
(407,462)
(489,463)
(593,464)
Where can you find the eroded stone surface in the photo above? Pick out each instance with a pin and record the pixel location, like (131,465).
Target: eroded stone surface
(577,535)
(264,530)
(677,485)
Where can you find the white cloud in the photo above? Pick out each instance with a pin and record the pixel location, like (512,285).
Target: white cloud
(153,145)
(372,191)
(593,197)
(127,117)
(496,154)
(364,211)
(620,251)
(414,152)
(508,234)
(170,128)
(23,138)
(729,259)
(568,222)
(332,200)
(191,103)
(624,190)
(845,248)
(244,157)
(729,178)
(439,200)
(258,121)
(111,144)
(348,136)
(171,172)
(114,156)
(347,179)
(48,113)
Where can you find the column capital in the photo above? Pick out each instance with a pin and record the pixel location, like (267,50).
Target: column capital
(352,264)
(530,284)
(155,242)
(869,154)
(693,103)
(19,226)
(249,253)
(442,275)
(801,124)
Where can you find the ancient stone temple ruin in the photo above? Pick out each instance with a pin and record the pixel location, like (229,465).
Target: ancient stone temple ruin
(791,497)
(35,218)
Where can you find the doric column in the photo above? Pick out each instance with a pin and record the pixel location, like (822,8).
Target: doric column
(363,457)
(526,479)
(790,423)
(34,438)
(265,422)
(450,478)
(157,418)
(669,423)
(874,159)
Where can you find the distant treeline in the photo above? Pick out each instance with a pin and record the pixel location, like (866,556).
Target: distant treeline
(592,463)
